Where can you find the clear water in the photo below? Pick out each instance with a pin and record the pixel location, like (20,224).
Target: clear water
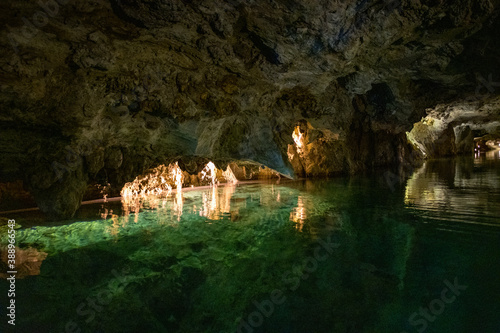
(364,254)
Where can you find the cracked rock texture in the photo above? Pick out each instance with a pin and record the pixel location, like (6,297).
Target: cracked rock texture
(100,91)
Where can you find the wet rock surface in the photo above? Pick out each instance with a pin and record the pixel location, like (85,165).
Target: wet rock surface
(99,92)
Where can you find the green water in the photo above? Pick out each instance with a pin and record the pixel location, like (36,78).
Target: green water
(364,254)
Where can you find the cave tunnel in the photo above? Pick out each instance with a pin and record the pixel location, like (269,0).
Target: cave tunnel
(265,166)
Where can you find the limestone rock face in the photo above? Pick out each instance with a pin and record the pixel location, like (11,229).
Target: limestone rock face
(448,129)
(464,139)
(434,142)
(100,91)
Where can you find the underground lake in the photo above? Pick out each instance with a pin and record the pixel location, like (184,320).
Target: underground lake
(263,166)
(358,254)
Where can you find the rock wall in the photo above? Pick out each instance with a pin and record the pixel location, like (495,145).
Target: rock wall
(464,139)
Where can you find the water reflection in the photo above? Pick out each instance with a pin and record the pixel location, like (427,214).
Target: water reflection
(298,214)
(28,262)
(114,229)
(425,188)
(217,203)
(493,154)
(489,155)
(178,203)
(455,190)
(346,258)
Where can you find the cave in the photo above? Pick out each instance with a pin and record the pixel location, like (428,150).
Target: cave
(250,166)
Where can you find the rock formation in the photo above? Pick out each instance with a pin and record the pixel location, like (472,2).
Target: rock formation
(100,91)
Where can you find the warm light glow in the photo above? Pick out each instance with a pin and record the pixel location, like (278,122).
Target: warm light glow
(209,208)
(210,173)
(178,201)
(146,190)
(153,190)
(229,176)
(215,203)
(298,214)
(298,139)
(290,152)
(114,229)
(227,193)
(178,204)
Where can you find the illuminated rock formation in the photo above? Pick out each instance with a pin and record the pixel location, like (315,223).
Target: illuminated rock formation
(101,92)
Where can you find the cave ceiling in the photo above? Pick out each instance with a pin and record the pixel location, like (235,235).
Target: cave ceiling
(103,90)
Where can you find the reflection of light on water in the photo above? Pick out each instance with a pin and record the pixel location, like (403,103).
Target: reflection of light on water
(105,213)
(425,192)
(489,155)
(209,203)
(298,214)
(145,190)
(447,193)
(28,261)
(492,154)
(153,191)
(114,228)
(178,201)
(411,190)
(227,194)
(178,204)
(216,203)
(276,192)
